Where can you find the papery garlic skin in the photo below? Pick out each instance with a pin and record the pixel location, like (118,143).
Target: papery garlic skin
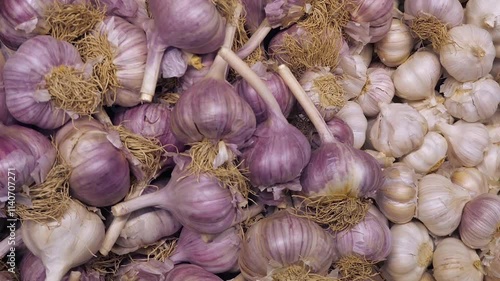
(63,245)
(352,114)
(397,197)
(449,12)
(382,159)
(471,101)
(411,253)
(490,165)
(440,204)
(378,88)
(398,130)
(467,142)
(365,51)
(471,54)
(471,179)
(396,46)
(480,221)
(417,77)
(353,70)
(454,261)
(430,155)
(485,14)
(433,110)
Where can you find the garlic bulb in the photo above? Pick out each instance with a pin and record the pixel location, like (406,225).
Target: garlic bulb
(417,77)
(440,204)
(467,142)
(396,46)
(411,254)
(352,114)
(471,179)
(378,89)
(490,165)
(470,55)
(430,155)
(485,14)
(471,101)
(433,110)
(65,244)
(480,221)
(395,122)
(454,261)
(353,70)
(397,197)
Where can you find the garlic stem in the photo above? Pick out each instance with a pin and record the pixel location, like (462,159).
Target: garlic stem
(143,201)
(248,213)
(75,276)
(254,80)
(255,40)
(152,71)
(219,68)
(312,112)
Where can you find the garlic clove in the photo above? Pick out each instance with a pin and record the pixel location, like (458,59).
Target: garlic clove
(352,114)
(471,179)
(396,46)
(379,88)
(429,156)
(454,261)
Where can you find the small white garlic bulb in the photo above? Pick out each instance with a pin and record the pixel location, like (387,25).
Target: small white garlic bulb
(66,244)
(480,221)
(454,261)
(471,179)
(467,142)
(397,197)
(470,55)
(485,14)
(440,204)
(411,254)
(433,110)
(398,130)
(471,101)
(353,115)
(417,77)
(378,89)
(396,46)
(429,156)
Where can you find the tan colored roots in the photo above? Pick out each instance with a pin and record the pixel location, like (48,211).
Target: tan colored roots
(436,166)
(203,155)
(354,268)
(337,212)
(51,198)
(69,22)
(99,50)
(327,13)
(332,94)
(298,272)
(428,27)
(147,150)
(162,250)
(226,8)
(106,265)
(70,91)
(169,98)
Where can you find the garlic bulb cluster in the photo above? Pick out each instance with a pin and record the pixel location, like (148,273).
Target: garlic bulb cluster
(454,261)
(397,197)
(411,253)
(470,55)
(398,130)
(471,101)
(467,142)
(433,110)
(480,221)
(484,14)
(396,46)
(429,156)
(440,204)
(417,77)
(65,244)
(352,114)
(378,89)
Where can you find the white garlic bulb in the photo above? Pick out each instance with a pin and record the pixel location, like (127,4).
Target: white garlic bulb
(417,77)
(433,110)
(485,14)
(480,221)
(353,115)
(398,130)
(397,197)
(396,46)
(467,142)
(470,55)
(429,156)
(411,254)
(454,261)
(378,89)
(490,166)
(471,101)
(66,244)
(440,204)
(471,179)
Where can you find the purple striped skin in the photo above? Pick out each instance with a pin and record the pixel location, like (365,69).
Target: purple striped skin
(190,272)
